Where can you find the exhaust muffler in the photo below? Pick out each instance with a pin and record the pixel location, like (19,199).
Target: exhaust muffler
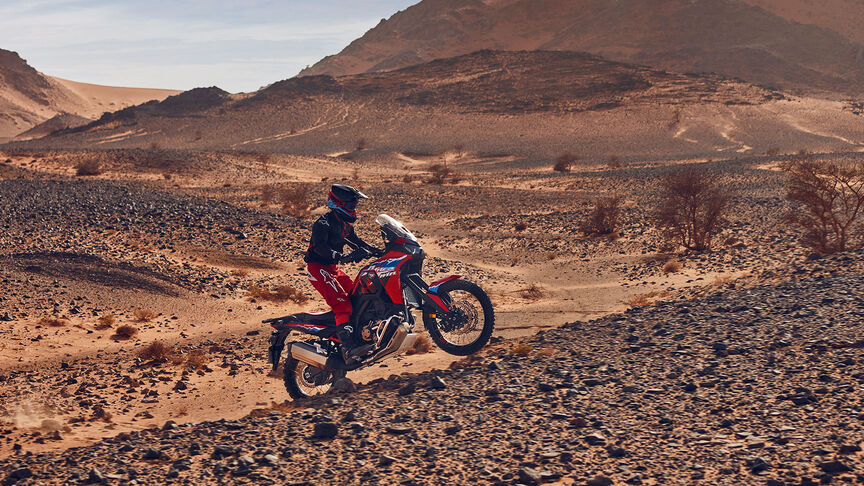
(314,356)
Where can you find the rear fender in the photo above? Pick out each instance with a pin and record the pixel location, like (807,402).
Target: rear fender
(277,344)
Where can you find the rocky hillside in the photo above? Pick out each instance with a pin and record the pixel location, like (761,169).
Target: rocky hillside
(724,36)
(28,98)
(527,103)
(759,384)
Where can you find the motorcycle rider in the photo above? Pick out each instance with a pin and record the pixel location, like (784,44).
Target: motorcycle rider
(330,233)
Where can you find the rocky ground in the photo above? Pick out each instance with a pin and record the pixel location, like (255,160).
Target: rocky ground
(759,385)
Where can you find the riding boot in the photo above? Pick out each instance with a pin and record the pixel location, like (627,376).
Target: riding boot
(351,352)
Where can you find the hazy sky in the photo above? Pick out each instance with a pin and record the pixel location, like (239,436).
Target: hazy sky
(237,45)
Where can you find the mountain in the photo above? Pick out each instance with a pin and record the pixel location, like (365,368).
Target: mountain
(528,104)
(28,97)
(728,37)
(841,16)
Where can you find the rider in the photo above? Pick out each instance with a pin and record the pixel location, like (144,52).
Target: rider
(329,235)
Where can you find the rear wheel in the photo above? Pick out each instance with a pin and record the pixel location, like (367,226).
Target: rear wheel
(303,380)
(469,324)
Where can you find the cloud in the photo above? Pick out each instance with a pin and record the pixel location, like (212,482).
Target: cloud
(238,46)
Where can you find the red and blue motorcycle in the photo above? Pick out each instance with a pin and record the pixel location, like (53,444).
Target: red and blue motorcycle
(457,314)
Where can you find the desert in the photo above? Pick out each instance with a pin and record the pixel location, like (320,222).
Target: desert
(671,240)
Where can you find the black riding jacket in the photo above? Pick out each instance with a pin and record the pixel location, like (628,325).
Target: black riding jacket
(330,234)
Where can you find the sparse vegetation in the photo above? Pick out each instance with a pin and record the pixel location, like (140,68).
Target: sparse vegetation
(522,349)
(106,321)
(830,200)
(125,332)
(532,292)
(692,207)
(565,162)
(614,162)
(53,322)
(603,220)
(283,293)
(295,201)
(441,174)
(267,194)
(143,315)
(156,352)
(362,144)
(520,227)
(88,167)
(649,298)
(672,266)
(197,360)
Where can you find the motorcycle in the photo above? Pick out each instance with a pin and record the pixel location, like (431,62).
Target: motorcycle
(457,314)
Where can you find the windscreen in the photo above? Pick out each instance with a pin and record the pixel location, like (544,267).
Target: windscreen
(395,227)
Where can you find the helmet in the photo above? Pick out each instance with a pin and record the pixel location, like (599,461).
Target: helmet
(343,201)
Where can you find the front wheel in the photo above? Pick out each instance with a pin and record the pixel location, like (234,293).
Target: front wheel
(303,380)
(469,324)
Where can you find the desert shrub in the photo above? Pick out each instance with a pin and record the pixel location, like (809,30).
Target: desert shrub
(603,220)
(646,299)
(691,209)
(144,315)
(156,351)
(772,151)
(532,292)
(197,360)
(422,345)
(522,349)
(88,167)
(441,174)
(52,322)
(672,266)
(105,322)
(565,162)
(295,201)
(267,193)
(614,162)
(830,200)
(362,144)
(283,293)
(520,227)
(125,332)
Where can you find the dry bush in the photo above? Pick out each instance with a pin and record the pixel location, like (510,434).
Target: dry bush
(422,345)
(830,200)
(772,151)
(551,256)
(240,272)
(603,220)
(520,227)
(283,293)
(441,174)
(547,352)
(407,178)
(691,209)
(125,332)
(105,322)
(361,144)
(522,349)
(672,266)
(723,280)
(52,322)
(649,298)
(565,162)
(532,292)
(144,315)
(88,167)
(295,201)
(614,162)
(157,351)
(267,194)
(197,360)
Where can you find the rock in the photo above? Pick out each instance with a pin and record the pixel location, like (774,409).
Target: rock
(325,430)
(757,464)
(599,481)
(95,477)
(408,389)
(595,439)
(151,454)
(545,387)
(436,383)
(271,460)
(453,429)
(529,476)
(18,474)
(386,460)
(180,386)
(834,467)
(398,429)
(343,385)
(616,452)
(169,425)
(222,451)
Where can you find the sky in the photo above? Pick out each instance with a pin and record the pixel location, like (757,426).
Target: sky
(238,46)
